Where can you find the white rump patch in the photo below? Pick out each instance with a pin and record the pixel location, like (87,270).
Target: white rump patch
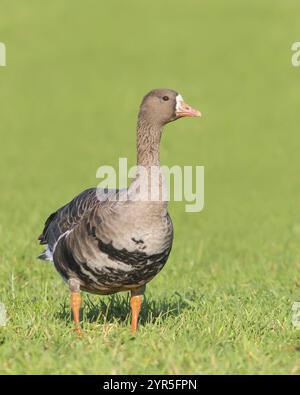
(49,255)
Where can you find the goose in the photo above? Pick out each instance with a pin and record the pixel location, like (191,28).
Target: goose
(108,241)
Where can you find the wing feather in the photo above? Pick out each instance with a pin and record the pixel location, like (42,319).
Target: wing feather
(66,218)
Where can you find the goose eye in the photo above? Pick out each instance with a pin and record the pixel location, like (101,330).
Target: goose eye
(165,98)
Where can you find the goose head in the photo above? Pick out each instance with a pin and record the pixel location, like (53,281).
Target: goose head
(161,106)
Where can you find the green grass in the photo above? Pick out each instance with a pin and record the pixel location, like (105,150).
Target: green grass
(75,75)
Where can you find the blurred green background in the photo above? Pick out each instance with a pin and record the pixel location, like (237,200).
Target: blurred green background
(76,72)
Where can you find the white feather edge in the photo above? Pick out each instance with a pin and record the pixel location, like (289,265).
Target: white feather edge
(48,252)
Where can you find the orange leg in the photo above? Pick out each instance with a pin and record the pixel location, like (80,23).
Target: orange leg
(135,304)
(75,305)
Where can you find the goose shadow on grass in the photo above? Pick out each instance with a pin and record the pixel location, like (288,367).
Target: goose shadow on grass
(116,308)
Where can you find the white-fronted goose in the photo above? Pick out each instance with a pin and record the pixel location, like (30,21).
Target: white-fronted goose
(117,244)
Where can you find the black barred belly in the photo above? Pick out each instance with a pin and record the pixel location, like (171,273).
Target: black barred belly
(142,267)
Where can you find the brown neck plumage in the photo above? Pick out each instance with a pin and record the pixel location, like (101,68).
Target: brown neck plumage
(148,142)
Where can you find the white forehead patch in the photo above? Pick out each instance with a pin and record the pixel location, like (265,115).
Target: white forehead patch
(179,100)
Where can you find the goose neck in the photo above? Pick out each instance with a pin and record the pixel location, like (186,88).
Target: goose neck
(148,142)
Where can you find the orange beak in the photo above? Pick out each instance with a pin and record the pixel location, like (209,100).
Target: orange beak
(184,110)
